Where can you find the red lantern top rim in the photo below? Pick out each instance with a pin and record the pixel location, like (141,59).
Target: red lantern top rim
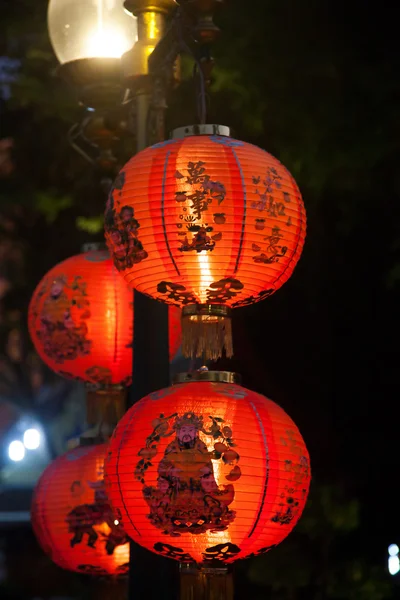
(205,375)
(199,130)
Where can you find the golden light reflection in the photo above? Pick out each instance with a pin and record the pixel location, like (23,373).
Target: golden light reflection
(219,537)
(205,275)
(152,25)
(103,529)
(121,554)
(110,320)
(186,189)
(100,467)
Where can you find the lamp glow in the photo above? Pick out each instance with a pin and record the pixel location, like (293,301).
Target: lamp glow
(106,44)
(32,439)
(81,29)
(16,451)
(393,565)
(393,550)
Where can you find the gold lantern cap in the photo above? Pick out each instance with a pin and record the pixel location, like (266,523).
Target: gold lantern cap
(206,129)
(203,374)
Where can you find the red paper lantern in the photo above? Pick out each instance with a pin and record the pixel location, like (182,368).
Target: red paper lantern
(207,472)
(72,518)
(81,319)
(205,222)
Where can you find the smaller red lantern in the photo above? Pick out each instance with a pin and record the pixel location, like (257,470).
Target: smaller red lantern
(72,518)
(81,319)
(81,323)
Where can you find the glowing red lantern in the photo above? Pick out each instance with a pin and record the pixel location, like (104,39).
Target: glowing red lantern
(207,223)
(72,518)
(81,319)
(207,471)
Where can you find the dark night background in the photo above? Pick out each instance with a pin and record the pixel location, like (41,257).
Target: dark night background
(317,85)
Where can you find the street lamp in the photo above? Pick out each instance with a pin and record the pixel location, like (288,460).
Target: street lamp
(87,29)
(89,37)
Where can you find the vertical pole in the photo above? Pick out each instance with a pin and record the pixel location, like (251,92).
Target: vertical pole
(142,106)
(151,577)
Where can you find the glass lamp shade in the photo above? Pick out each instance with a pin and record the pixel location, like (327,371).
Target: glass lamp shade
(82,29)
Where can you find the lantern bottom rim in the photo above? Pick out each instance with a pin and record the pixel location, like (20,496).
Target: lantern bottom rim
(206,310)
(206,331)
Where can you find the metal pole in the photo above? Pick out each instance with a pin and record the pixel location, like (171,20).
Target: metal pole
(151,577)
(142,108)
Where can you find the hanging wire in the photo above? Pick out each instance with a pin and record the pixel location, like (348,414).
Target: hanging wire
(155,113)
(201,96)
(157,104)
(197,70)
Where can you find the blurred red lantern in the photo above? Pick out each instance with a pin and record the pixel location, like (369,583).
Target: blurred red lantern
(81,319)
(207,471)
(207,223)
(72,518)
